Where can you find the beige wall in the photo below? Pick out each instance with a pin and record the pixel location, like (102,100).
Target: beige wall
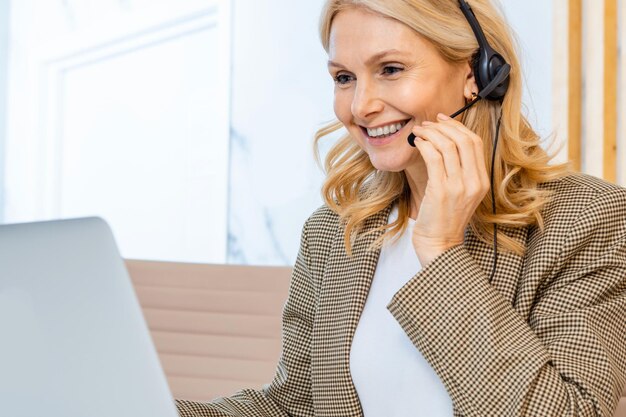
(589,90)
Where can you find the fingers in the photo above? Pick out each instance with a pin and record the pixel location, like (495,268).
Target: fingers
(461,151)
(471,137)
(457,183)
(433,159)
(447,149)
(477,145)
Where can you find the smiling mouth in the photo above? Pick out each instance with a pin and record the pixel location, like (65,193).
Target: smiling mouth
(384,131)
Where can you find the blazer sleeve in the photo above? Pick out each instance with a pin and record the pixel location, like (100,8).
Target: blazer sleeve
(290,391)
(569,359)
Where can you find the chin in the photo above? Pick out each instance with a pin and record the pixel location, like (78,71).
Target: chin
(390,163)
(388,166)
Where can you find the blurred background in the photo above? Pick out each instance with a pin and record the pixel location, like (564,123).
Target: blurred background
(188,124)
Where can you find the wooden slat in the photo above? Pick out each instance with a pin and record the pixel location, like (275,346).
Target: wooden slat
(610,90)
(207,322)
(219,346)
(216,277)
(256,372)
(621,88)
(185,299)
(575,85)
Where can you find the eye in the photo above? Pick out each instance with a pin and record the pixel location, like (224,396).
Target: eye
(343,79)
(390,70)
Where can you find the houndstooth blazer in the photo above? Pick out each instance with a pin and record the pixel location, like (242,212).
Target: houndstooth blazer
(545,338)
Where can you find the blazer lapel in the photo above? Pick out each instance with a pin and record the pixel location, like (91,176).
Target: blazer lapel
(345,285)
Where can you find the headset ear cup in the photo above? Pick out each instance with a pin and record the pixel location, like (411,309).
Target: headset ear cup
(495,63)
(487,65)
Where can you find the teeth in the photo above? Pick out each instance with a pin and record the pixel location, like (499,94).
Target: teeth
(385,130)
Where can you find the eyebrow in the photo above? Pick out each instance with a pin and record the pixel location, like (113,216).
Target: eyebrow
(376,57)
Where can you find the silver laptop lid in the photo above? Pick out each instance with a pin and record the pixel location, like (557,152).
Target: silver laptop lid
(73,340)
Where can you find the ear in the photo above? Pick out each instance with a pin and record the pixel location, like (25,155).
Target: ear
(469,85)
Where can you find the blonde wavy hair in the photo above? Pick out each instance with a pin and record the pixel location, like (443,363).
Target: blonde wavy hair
(356,191)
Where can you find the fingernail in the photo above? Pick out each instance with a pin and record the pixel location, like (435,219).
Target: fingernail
(426,123)
(443,116)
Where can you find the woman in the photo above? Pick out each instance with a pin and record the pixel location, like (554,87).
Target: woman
(397,306)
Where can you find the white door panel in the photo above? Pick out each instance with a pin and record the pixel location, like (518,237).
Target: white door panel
(132,125)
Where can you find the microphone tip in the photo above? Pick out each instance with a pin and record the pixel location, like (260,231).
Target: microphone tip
(411,139)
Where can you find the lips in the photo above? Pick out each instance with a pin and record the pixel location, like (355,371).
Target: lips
(384,130)
(388,129)
(384,139)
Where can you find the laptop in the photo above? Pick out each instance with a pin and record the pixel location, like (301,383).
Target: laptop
(73,340)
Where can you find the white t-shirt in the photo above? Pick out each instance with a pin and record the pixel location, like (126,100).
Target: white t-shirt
(390,374)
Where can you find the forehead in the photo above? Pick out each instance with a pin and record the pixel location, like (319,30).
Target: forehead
(360,30)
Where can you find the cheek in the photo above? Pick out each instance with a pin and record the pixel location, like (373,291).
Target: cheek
(342,106)
(415,98)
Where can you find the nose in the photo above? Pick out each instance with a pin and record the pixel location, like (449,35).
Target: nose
(366,101)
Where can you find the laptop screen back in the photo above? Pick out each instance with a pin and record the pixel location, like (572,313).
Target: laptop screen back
(73,341)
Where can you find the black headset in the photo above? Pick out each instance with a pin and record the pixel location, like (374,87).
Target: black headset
(491,72)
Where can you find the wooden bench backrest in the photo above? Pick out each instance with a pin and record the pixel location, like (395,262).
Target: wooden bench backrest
(216,328)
